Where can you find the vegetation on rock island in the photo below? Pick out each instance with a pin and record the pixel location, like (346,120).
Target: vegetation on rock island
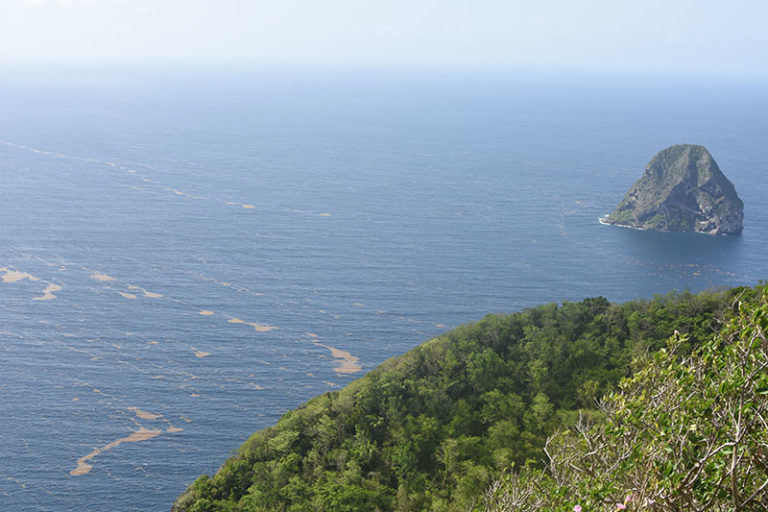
(682,189)
(437,427)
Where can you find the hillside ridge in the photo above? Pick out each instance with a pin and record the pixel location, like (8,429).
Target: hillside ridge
(431,429)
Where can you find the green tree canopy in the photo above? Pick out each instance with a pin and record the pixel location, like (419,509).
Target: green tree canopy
(431,429)
(685,432)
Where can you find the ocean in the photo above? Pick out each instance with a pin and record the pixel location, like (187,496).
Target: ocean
(186,254)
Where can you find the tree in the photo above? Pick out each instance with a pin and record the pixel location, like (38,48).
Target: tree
(684,433)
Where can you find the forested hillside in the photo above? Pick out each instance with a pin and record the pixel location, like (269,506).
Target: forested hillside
(685,432)
(431,429)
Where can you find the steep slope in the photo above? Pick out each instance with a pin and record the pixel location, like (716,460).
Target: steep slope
(684,433)
(430,429)
(682,189)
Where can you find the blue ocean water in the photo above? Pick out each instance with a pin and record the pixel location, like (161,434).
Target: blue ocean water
(185,255)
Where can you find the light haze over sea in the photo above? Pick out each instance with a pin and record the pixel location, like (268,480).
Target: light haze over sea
(185,255)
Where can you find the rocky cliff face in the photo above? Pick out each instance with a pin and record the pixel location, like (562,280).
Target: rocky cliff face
(682,189)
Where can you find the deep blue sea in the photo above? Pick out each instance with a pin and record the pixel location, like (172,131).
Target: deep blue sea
(187,254)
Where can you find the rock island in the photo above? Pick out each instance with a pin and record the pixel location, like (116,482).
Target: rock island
(682,189)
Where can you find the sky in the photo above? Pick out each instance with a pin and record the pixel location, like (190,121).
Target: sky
(719,37)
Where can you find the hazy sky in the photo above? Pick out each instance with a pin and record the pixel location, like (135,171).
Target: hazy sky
(723,36)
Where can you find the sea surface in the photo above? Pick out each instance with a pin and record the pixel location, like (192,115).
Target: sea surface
(187,254)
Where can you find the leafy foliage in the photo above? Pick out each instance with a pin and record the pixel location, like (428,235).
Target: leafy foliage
(683,433)
(429,430)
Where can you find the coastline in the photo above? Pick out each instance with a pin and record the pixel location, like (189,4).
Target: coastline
(603,220)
